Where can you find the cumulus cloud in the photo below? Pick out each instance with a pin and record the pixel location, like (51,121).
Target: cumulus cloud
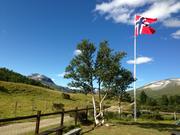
(140,60)
(77,52)
(123,11)
(162,9)
(176,35)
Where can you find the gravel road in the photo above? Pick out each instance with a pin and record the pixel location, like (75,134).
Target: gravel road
(25,128)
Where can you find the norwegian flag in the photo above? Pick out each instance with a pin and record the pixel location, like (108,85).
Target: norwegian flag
(142,25)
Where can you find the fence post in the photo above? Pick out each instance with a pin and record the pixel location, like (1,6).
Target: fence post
(37,122)
(15,109)
(175,117)
(76,115)
(62,117)
(87,113)
(60,132)
(46,105)
(32,104)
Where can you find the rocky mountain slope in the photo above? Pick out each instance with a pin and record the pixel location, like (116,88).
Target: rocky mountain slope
(48,81)
(162,87)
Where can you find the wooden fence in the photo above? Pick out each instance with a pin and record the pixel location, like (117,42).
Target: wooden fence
(38,117)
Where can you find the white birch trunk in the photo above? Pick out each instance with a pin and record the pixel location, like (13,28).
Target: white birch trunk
(98,118)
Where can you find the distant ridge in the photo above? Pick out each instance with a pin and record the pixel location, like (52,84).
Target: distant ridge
(42,78)
(11,76)
(48,81)
(33,79)
(167,87)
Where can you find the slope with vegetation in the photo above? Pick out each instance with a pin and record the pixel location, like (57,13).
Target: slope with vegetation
(11,76)
(18,99)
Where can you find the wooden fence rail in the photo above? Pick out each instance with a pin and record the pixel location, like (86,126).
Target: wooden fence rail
(35,116)
(38,117)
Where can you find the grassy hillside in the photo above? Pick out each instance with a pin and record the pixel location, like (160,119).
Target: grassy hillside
(32,98)
(11,76)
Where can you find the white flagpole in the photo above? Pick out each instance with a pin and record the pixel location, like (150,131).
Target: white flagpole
(135,118)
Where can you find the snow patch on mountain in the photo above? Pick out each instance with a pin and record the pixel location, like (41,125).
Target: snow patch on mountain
(44,79)
(162,84)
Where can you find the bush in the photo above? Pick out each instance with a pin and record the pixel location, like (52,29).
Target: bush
(129,116)
(58,106)
(138,113)
(82,117)
(65,96)
(152,116)
(3,89)
(111,115)
(116,116)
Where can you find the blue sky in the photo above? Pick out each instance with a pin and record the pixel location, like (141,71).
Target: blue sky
(40,36)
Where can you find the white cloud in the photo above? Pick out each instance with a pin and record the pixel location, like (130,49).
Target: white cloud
(140,60)
(172,22)
(176,35)
(162,9)
(123,11)
(52,79)
(77,52)
(61,74)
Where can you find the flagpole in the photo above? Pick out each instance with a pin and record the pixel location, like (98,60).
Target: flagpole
(135,112)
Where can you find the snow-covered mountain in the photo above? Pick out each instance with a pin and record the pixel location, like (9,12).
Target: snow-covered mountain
(42,78)
(48,81)
(162,87)
(158,85)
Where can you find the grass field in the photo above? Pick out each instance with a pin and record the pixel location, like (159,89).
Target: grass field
(131,128)
(30,98)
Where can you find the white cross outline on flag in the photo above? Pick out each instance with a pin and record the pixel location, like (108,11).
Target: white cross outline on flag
(142,22)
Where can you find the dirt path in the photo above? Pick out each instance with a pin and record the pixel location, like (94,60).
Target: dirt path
(25,128)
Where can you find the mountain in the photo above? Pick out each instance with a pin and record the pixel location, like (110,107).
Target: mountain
(168,87)
(11,76)
(42,78)
(48,81)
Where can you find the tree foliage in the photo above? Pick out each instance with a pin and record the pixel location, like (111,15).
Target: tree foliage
(109,71)
(81,67)
(165,103)
(143,97)
(105,68)
(102,64)
(164,100)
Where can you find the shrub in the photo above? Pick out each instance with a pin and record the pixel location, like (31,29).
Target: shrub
(116,116)
(82,117)
(138,113)
(3,89)
(58,106)
(65,96)
(152,116)
(129,116)
(111,115)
